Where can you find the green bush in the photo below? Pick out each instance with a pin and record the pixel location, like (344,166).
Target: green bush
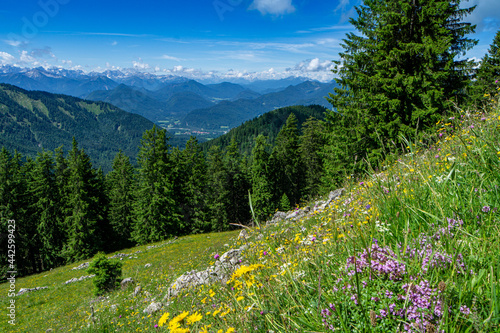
(107,273)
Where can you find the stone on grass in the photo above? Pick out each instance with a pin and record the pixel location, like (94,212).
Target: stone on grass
(126,282)
(153,307)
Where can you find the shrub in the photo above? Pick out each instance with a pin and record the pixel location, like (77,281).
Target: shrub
(107,273)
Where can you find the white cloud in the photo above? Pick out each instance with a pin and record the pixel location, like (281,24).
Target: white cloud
(26,57)
(486,15)
(346,9)
(11,42)
(6,58)
(167,57)
(314,65)
(140,65)
(114,43)
(273,7)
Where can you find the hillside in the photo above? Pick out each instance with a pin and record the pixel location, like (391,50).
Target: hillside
(412,248)
(268,124)
(31,121)
(233,113)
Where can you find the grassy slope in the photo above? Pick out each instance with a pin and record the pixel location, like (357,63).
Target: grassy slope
(429,224)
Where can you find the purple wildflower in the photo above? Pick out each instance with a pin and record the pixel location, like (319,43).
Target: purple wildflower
(465,310)
(486,209)
(216,256)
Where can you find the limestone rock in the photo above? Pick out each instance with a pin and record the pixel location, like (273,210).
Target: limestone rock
(153,307)
(243,234)
(81,266)
(220,271)
(28,290)
(126,282)
(137,290)
(81,278)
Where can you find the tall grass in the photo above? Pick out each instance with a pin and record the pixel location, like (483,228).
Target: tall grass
(413,247)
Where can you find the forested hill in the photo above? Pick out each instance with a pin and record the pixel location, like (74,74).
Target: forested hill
(268,124)
(31,121)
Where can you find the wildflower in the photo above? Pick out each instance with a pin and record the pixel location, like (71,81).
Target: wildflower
(163,319)
(465,310)
(194,318)
(205,328)
(486,209)
(216,256)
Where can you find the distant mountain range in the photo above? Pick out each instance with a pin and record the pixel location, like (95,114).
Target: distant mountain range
(233,113)
(188,103)
(31,121)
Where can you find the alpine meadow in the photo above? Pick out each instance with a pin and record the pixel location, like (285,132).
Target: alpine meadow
(380,213)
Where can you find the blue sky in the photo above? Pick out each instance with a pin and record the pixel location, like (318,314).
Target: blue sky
(199,39)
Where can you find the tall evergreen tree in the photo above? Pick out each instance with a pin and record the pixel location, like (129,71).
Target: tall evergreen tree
(45,212)
(311,143)
(121,189)
(262,192)
(85,217)
(398,74)
(286,163)
(238,183)
(487,82)
(190,186)
(156,213)
(218,195)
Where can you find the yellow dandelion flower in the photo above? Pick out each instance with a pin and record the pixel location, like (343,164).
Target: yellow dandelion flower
(193,318)
(205,328)
(230,330)
(163,319)
(240,298)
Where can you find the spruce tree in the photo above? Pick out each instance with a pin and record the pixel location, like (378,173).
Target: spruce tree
(13,201)
(487,84)
(262,191)
(84,218)
(156,213)
(238,184)
(311,143)
(400,73)
(218,195)
(190,186)
(121,189)
(44,207)
(286,163)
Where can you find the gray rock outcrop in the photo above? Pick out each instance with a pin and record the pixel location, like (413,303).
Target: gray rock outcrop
(219,272)
(28,290)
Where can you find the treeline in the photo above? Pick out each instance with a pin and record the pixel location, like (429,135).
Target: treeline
(268,124)
(67,210)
